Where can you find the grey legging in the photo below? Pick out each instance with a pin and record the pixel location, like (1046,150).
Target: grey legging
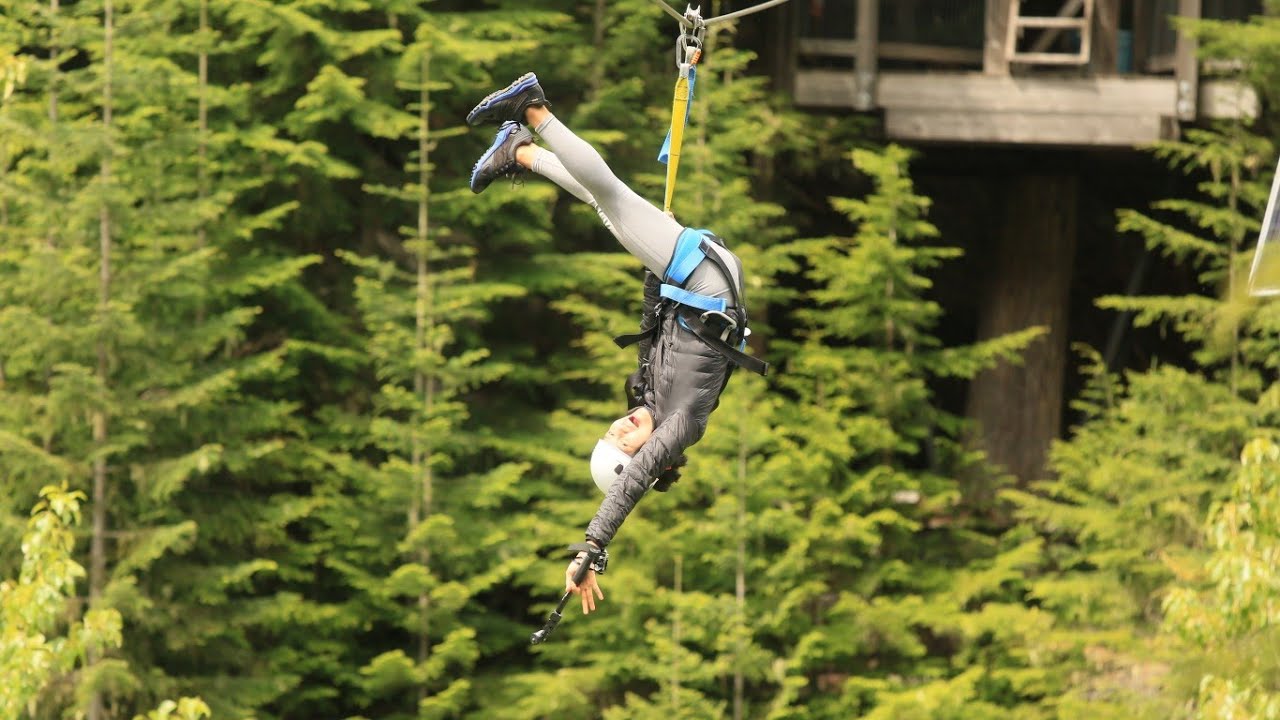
(644,230)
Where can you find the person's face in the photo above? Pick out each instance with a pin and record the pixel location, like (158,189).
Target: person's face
(630,432)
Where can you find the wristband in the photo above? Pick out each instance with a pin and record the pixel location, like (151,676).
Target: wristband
(597,558)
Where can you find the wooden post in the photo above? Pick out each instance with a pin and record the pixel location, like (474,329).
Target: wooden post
(865,61)
(995,60)
(1141,34)
(1017,409)
(1186,69)
(781,47)
(1106,44)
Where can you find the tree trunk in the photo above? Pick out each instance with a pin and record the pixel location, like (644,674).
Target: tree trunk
(53,55)
(202,147)
(675,637)
(97,543)
(424,385)
(54,74)
(1233,277)
(1017,409)
(740,573)
(597,41)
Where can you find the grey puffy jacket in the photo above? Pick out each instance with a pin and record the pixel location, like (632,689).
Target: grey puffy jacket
(684,380)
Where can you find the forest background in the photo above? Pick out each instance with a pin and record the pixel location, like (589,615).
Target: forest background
(326,412)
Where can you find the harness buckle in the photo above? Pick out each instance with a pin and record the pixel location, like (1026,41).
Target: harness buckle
(720,320)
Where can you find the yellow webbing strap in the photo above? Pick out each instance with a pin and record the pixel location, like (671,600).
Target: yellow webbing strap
(679,110)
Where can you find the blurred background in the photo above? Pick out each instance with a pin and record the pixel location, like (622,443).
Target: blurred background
(294,425)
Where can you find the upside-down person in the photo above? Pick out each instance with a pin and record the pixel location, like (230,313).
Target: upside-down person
(692,329)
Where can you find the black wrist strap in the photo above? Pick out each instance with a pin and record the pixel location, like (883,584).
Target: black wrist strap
(597,558)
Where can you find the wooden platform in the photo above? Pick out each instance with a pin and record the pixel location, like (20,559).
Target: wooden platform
(972,107)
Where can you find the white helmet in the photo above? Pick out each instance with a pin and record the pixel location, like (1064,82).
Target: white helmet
(607,462)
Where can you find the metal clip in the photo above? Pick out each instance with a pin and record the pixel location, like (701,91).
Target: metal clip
(730,323)
(692,33)
(693,17)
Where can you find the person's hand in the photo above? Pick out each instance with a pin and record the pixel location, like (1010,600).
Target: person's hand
(588,589)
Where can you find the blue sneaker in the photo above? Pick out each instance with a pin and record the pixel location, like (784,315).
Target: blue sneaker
(509,103)
(500,159)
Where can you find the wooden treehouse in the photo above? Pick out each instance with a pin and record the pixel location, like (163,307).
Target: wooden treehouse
(1055,95)
(1037,72)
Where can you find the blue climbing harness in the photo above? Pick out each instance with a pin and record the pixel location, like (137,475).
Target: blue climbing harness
(716,322)
(688,255)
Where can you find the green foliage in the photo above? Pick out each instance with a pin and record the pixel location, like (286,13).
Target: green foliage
(1121,515)
(138,363)
(893,607)
(1224,611)
(13,72)
(183,709)
(338,407)
(34,650)
(1230,329)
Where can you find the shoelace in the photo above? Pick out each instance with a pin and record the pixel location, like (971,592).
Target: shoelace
(511,170)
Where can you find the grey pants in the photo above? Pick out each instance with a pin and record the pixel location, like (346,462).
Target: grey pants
(644,230)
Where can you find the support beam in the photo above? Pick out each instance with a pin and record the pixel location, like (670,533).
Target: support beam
(1116,111)
(1186,69)
(918,52)
(866,62)
(1023,128)
(977,92)
(994,58)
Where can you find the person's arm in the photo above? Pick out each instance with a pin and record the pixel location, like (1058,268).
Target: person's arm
(669,439)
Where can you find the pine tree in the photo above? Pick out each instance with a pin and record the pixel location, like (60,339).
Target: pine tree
(154,252)
(415,473)
(1131,485)
(887,600)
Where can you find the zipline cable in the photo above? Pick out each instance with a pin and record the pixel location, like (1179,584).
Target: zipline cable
(723,18)
(671,11)
(743,12)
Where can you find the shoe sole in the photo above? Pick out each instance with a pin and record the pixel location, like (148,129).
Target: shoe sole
(504,134)
(522,83)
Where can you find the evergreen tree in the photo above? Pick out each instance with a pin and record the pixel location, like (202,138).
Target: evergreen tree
(412,314)
(154,254)
(1131,485)
(879,601)
(426,547)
